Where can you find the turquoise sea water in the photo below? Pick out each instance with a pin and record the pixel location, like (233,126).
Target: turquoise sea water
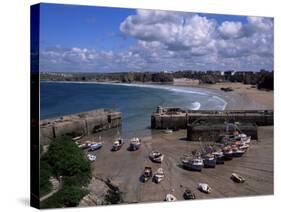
(136,102)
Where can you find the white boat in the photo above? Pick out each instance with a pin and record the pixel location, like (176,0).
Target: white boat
(193,163)
(204,187)
(159,175)
(236,152)
(95,146)
(117,144)
(156,157)
(167,131)
(92,157)
(135,144)
(237,178)
(209,161)
(170,198)
(244,147)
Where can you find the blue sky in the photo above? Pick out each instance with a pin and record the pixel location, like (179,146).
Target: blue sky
(103,39)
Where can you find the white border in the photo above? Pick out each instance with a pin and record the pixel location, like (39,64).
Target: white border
(14,181)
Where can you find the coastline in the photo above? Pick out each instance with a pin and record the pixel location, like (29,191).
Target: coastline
(243,97)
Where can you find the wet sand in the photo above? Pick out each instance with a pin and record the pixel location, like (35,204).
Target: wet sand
(243,97)
(124,168)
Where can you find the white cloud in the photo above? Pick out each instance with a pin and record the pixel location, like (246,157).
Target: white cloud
(173,41)
(230,29)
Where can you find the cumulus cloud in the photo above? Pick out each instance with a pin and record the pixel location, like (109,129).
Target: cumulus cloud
(176,40)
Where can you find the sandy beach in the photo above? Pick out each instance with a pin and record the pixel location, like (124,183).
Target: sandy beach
(243,97)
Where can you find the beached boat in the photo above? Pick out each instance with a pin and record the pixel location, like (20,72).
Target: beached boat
(244,147)
(117,144)
(168,131)
(135,144)
(209,161)
(156,157)
(188,195)
(237,178)
(204,187)
(159,175)
(170,198)
(236,152)
(194,163)
(77,138)
(218,156)
(92,157)
(227,153)
(95,146)
(147,174)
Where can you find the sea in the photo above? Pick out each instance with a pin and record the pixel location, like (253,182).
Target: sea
(136,101)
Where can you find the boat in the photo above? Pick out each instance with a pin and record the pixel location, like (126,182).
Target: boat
(156,157)
(209,161)
(244,147)
(237,178)
(92,157)
(77,138)
(194,163)
(135,144)
(236,152)
(95,146)
(158,176)
(219,157)
(188,195)
(227,153)
(204,187)
(244,138)
(117,144)
(170,198)
(168,131)
(147,173)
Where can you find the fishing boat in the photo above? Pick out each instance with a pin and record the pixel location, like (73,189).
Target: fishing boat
(227,153)
(135,144)
(168,131)
(236,152)
(204,187)
(244,147)
(92,157)
(158,176)
(209,161)
(156,157)
(147,173)
(237,178)
(188,195)
(95,146)
(170,198)
(219,157)
(117,144)
(194,163)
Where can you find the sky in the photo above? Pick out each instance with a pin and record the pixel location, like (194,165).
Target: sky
(103,39)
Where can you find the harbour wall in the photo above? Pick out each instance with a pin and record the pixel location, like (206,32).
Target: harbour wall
(85,123)
(176,118)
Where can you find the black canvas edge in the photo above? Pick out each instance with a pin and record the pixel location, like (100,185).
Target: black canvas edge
(34,105)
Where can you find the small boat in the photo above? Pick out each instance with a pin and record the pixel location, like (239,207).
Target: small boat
(158,176)
(237,178)
(209,161)
(188,195)
(117,144)
(219,157)
(244,138)
(236,152)
(244,147)
(135,144)
(77,138)
(92,157)
(194,163)
(147,174)
(204,187)
(227,153)
(156,157)
(170,198)
(95,146)
(167,131)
